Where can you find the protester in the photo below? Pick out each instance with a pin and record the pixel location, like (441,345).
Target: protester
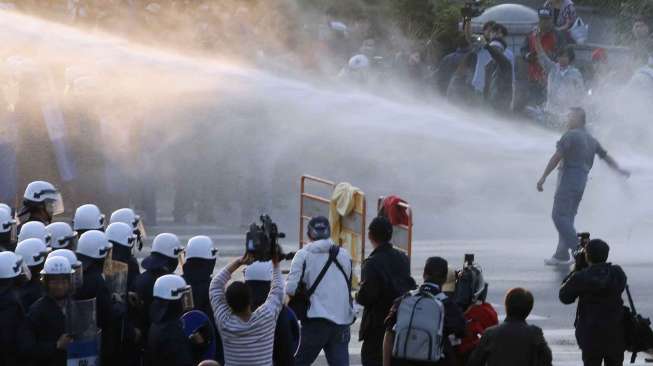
(14,338)
(600,315)
(499,77)
(514,342)
(258,276)
(565,85)
(552,42)
(247,333)
(642,39)
(47,316)
(385,276)
(641,82)
(564,13)
(33,252)
(482,57)
(460,90)
(450,63)
(574,158)
(435,275)
(327,269)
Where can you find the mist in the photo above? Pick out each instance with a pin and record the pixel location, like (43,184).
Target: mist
(223,125)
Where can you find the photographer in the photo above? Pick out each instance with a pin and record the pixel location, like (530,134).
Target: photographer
(247,333)
(600,315)
(326,270)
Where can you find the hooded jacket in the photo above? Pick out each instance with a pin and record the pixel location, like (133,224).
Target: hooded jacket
(599,317)
(331,300)
(498,83)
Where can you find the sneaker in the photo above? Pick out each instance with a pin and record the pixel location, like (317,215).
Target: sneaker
(553,261)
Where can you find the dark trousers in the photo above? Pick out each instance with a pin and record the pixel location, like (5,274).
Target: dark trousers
(596,359)
(318,335)
(372,351)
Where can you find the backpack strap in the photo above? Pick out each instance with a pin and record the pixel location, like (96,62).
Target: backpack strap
(335,249)
(320,276)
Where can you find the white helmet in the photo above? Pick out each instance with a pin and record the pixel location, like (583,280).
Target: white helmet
(170,287)
(359,62)
(41,191)
(68,254)
(168,245)
(5,207)
(7,222)
(126,215)
(93,244)
(201,246)
(33,251)
(34,229)
(57,266)
(62,234)
(120,233)
(10,265)
(88,217)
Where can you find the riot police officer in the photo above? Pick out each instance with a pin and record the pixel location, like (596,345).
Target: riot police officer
(14,339)
(163,260)
(88,217)
(122,238)
(167,344)
(47,317)
(33,251)
(62,236)
(41,202)
(7,231)
(129,217)
(36,230)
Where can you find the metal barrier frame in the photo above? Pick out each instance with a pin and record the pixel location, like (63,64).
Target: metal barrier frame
(408,228)
(303,216)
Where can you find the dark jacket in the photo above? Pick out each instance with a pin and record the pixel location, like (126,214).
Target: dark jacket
(123,254)
(30,292)
(599,317)
(167,344)
(385,276)
(454,324)
(513,342)
(47,323)
(143,286)
(15,341)
(448,66)
(498,80)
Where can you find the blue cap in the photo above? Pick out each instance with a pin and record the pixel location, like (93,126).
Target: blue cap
(319,228)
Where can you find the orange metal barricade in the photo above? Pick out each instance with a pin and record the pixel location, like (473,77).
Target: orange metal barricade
(402,235)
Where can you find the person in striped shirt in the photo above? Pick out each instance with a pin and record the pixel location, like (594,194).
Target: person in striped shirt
(247,334)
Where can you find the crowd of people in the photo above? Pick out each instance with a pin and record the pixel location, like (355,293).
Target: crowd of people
(63,286)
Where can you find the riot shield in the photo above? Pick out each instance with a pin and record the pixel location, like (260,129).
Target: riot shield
(81,325)
(116,279)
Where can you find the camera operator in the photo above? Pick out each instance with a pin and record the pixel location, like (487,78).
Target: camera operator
(326,271)
(600,315)
(247,333)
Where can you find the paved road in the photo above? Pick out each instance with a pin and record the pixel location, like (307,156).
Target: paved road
(506,264)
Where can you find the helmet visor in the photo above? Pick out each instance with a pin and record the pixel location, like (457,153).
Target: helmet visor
(54,203)
(187,299)
(77,277)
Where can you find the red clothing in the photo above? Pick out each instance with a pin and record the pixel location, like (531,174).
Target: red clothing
(395,213)
(479,318)
(549,43)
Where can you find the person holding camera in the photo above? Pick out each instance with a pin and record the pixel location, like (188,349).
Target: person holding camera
(247,332)
(322,272)
(600,315)
(574,158)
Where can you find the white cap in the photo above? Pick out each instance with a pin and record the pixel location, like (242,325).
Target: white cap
(34,251)
(121,234)
(167,244)
(36,230)
(57,266)
(68,254)
(93,244)
(88,217)
(201,246)
(10,265)
(6,221)
(62,234)
(259,271)
(170,287)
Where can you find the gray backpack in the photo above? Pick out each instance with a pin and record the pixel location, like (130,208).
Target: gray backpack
(418,330)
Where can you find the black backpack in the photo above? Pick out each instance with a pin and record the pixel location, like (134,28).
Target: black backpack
(637,329)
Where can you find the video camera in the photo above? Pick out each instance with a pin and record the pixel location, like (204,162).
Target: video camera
(580,262)
(262,241)
(471,9)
